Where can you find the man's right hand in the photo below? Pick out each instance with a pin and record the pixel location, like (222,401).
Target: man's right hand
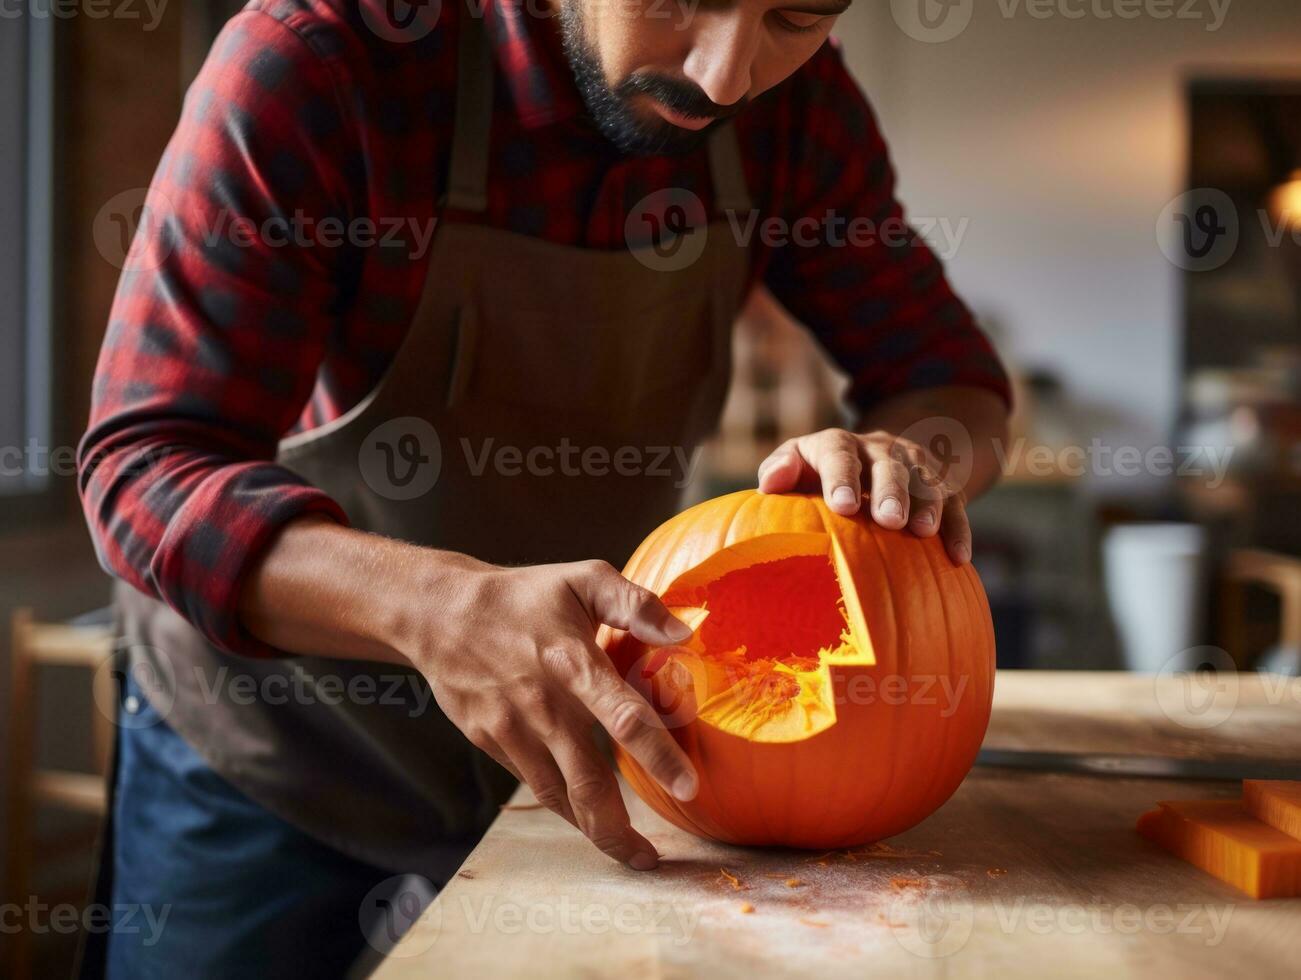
(510,654)
(513,662)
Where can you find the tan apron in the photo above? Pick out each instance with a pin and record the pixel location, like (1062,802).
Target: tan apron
(515,343)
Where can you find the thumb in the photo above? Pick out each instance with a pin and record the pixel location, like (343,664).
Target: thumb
(624,605)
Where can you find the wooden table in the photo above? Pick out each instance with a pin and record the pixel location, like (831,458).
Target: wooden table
(1029,874)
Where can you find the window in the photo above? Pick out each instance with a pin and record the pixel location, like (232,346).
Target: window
(26,77)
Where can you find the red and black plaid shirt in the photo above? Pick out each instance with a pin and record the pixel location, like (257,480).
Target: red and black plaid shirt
(231,328)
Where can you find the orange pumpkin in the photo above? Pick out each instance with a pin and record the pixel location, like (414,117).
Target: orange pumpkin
(838,682)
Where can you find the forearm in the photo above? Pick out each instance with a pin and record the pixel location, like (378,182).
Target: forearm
(979,411)
(324,589)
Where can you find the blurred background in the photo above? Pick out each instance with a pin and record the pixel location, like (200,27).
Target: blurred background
(1118,197)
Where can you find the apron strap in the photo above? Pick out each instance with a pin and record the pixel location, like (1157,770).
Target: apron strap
(467,183)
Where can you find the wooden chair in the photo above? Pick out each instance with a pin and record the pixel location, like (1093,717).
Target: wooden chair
(1280,574)
(30,788)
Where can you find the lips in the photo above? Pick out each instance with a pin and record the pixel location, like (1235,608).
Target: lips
(678,119)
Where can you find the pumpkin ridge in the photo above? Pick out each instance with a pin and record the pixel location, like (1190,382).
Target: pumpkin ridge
(939,769)
(892,753)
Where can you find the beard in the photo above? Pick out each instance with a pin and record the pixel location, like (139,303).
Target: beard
(611,107)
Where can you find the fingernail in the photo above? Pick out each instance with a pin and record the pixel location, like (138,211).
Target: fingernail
(684,787)
(891,508)
(643,861)
(961,553)
(926,518)
(844,497)
(676,629)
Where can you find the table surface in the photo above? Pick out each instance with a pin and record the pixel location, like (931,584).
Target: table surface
(1018,874)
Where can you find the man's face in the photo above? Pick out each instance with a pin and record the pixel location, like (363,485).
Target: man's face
(658,74)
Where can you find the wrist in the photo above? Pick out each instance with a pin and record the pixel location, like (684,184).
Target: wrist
(423,595)
(327,590)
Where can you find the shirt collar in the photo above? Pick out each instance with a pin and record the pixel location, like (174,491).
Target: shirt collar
(526,39)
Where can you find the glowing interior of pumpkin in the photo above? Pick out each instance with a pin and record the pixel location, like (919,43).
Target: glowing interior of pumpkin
(771,619)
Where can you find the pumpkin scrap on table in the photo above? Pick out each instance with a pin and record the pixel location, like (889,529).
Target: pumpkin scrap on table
(839,677)
(1275,802)
(726,877)
(1244,842)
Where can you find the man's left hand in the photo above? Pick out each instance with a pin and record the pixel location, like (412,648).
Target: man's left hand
(901,478)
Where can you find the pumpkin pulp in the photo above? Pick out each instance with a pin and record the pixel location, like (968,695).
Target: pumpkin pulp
(770,622)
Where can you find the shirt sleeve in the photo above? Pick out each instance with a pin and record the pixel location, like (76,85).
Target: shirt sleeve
(217,331)
(852,269)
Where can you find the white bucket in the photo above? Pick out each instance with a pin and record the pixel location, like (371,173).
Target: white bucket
(1155,575)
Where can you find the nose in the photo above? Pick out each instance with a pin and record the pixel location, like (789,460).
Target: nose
(722,54)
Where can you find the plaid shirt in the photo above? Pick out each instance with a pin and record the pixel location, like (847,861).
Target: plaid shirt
(282,259)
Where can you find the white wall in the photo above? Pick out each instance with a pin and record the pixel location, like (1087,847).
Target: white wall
(1062,140)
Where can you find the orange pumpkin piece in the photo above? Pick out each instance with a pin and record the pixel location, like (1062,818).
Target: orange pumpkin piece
(838,681)
(1223,839)
(1275,802)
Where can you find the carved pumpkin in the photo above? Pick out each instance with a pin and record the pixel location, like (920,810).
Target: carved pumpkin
(838,682)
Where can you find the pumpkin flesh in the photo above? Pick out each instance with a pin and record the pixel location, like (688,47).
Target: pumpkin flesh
(767,635)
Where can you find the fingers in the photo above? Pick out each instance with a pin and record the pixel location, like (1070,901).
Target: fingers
(905,491)
(571,779)
(928,495)
(837,456)
(489,747)
(621,711)
(597,806)
(785,469)
(890,497)
(527,760)
(831,459)
(956,530)
(532,763)
(612,599)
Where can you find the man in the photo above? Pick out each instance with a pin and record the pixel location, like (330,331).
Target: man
(298,463)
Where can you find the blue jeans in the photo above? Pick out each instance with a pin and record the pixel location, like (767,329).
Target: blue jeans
(207,883)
